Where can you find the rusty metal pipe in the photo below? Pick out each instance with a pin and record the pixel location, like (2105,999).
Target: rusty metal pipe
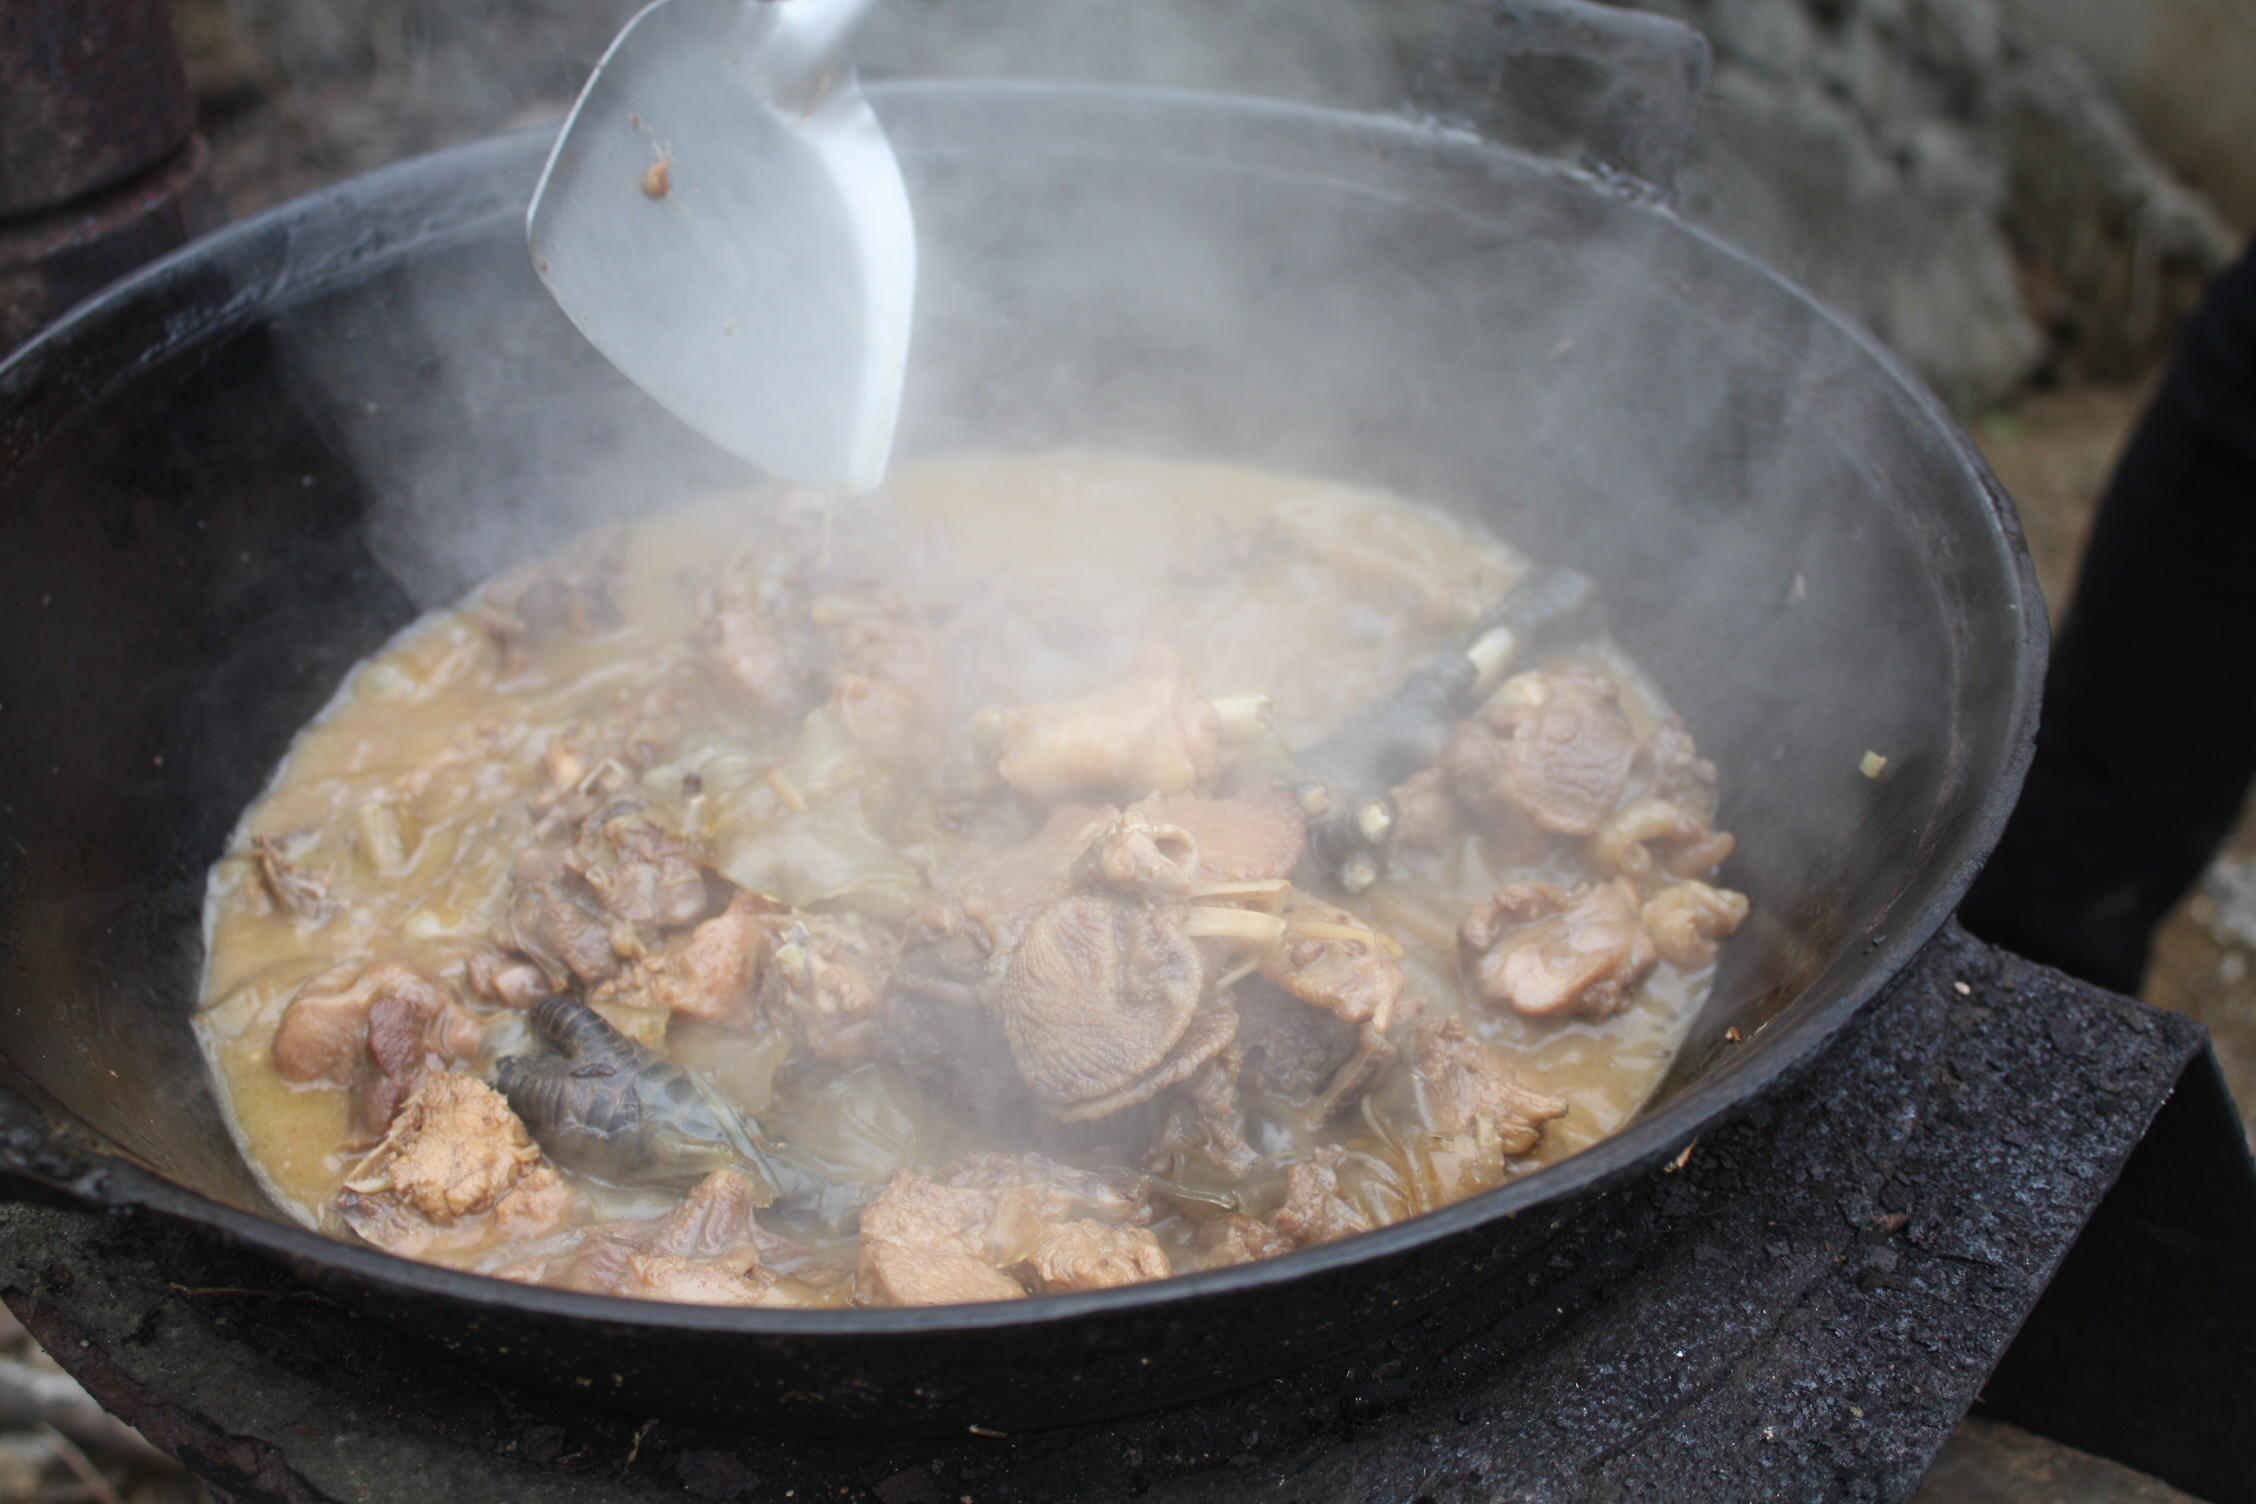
(100,167)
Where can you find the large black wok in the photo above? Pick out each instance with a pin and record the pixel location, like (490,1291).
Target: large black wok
(236,474)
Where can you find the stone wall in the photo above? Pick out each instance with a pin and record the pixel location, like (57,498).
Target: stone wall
(1964,186)
(2184,70)
(1958,180)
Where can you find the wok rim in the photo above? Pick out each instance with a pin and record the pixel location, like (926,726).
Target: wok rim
(104,1181)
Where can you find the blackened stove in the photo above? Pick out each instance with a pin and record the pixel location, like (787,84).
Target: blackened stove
(1801,1308)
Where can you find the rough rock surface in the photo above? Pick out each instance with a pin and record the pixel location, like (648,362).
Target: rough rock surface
(1969,192)
(1960,184)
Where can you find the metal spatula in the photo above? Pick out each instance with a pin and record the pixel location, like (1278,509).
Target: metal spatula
(724,219)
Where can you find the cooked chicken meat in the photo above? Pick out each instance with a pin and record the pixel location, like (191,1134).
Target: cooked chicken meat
(1677,773)
(456,1175)
(1292,1051)
(639,871)
(1469,1089)
(1255,835)
(1329,959)
(708,972)
(372,1031)
(1141,858)
(293,890)
(569,596)
(1652,835)
(1539,949)
(1316,1210)
(555,922)
(1235,1239)
(1099,1001)
(746,652)
(1552,747)
(1058,873)
(1481,1115)
(1150,734)
(822,975)
(710,1250)
(1001,1229)
(1428,821)
(1689,920)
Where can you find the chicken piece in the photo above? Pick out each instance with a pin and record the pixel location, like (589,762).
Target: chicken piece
(998,1228)
(708,973)
(455,1176)
(373,1031)
(933,1016)
(1252,836)
(782,647)
(1626,843)
(293,891)
(824,973)
(1329,959)
(1292,1051)
(1320,1206)
(993,895)
(555,922)
(1098,995)
(1315,1210)
(1404,566)
(395,1061)
(1149,734)
(873,633)
(740,644)
(1305,1057)
(924,1242)
(325,1027)
(709,1250)
(1092,1255)
(505,979)
(1675,771)
(1469,1094)
(639,870)
(904,1274)
(581,912)
(1553,746)
(1232,1239)
(1478,1115)
(1548,953)
(1689,920)
(565,595)
(1204,1123)
(575,786)
(933,1022)
(1427,820)
(1141,858)
(894,721)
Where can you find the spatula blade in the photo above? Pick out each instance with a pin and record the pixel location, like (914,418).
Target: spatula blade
(731,230)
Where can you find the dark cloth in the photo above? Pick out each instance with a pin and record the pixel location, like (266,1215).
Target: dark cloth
(2148,741)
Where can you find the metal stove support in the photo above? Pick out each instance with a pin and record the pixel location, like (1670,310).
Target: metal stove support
(100,168)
